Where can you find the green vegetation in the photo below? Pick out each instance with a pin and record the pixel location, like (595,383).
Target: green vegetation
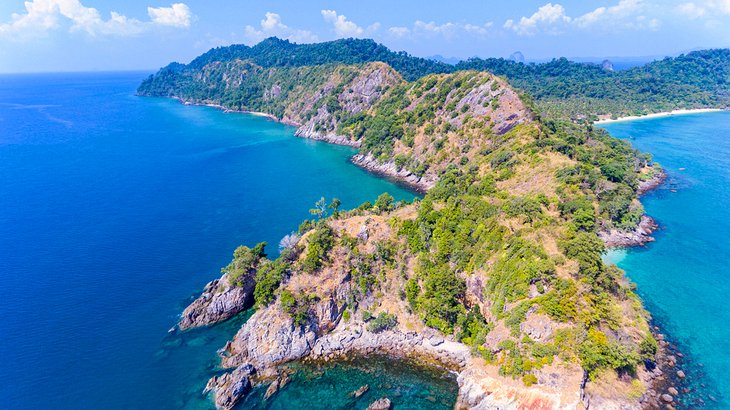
(321,241)
(509,233)
(567,89)
(245,259)
(382,322)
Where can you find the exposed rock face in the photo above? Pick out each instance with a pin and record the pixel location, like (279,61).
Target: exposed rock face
(478,389)
(652,183)
(230,388)
(639,236)
(219,301)
(390,170)
(607,65)
(270,338)
(359,95)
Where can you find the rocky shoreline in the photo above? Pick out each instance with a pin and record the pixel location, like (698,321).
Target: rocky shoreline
(270,339)
(390,170)
(641,235)
(669,381)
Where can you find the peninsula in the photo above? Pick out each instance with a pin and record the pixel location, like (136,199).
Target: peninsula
(496,274)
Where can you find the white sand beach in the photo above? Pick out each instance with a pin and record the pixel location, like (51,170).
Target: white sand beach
(657,115)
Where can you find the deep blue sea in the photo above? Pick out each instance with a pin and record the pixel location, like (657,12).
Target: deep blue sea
(684,277)
(116,209)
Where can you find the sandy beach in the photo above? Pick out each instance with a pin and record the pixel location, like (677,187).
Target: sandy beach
(658,114)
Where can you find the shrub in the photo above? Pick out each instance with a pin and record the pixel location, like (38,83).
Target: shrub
(244,259)
(383,322)
(384,203)
(320,242)
(529,379)
(268,279)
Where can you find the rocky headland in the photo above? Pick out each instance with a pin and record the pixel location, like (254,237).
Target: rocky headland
(495,275)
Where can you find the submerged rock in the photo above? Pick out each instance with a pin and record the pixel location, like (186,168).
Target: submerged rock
(380,404)
(362,390)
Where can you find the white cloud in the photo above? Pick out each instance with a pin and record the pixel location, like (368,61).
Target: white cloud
(42,16)
(177,15)
(548,17)
(399,31)
(422,29)
(342,26)
(625,14)
(553,19)
(271,25)
(707,8)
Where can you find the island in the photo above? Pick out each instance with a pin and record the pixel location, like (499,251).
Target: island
(496,273)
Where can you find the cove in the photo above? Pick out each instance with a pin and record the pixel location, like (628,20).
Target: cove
(683,276)
(116,209)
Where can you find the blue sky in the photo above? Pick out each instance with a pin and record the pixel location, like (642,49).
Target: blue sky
(80,35)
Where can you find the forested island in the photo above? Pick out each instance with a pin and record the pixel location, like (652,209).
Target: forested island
(496,273)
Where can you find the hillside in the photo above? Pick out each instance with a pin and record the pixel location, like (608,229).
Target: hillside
(406,130)
(496,273)
(561,88)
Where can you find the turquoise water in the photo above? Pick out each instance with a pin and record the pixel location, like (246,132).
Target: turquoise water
(114,211)
(684,277)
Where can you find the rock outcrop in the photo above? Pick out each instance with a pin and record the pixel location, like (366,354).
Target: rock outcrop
(219,301)
(641,235)
(264,347)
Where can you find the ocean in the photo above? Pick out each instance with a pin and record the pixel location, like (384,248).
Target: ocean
(116,209)
(684,277)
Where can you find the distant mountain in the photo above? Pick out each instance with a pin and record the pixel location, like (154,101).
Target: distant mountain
(517,57)
(447,60)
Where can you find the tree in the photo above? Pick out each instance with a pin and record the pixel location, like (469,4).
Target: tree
(288,242)
(320,208)
(335,206)
(384,203)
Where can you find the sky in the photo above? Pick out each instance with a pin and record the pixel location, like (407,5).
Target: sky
(91,35)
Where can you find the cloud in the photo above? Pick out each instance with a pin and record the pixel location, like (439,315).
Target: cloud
(177,15)
(42,16)
(422,29)
(399,31)
(548,17)
(342,26)
(271,25)
(708,8)
(553,19)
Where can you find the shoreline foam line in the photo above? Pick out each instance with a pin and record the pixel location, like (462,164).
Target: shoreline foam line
(659,115)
